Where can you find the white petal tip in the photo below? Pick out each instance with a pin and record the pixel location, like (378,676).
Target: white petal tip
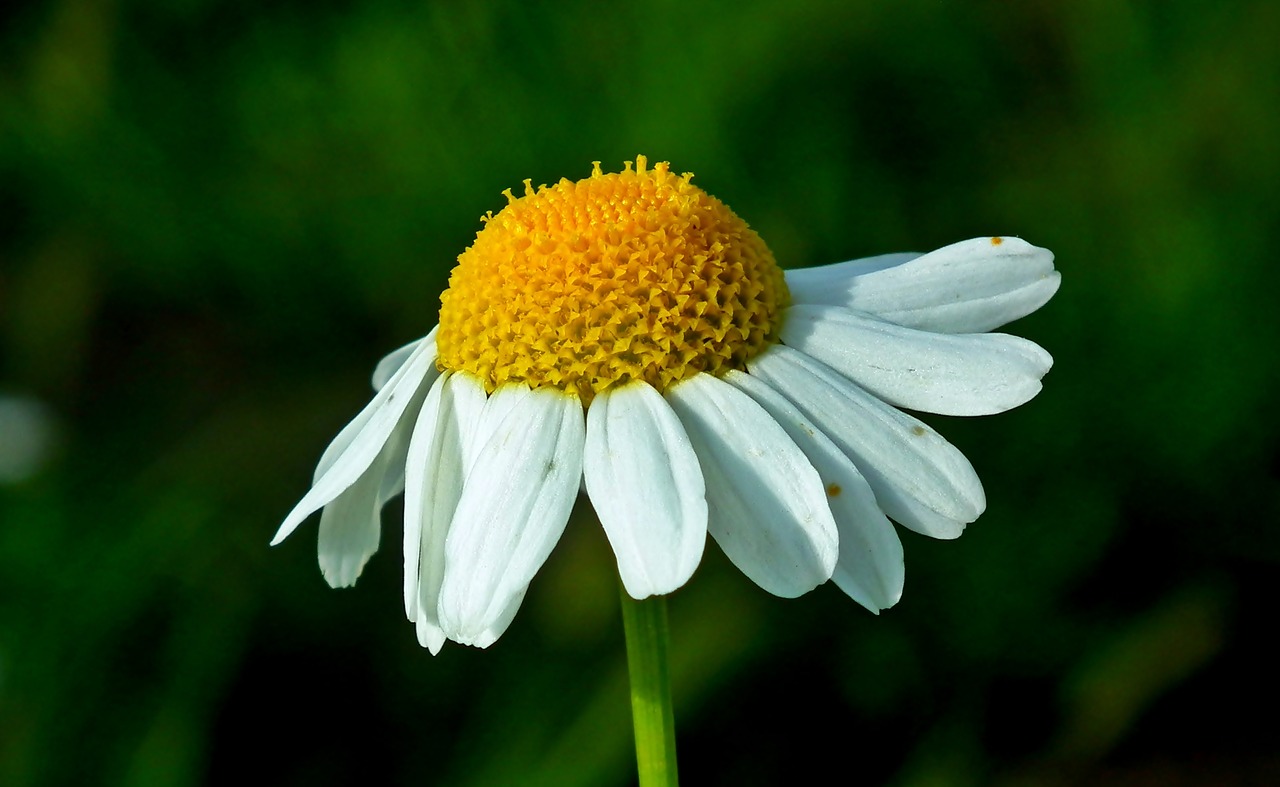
(642,587)
(481,640)
(289,525)
(338,581)
(869,599)
(948,535)
(890,601)
(643,590)
(430,637)
(792,591)
(485,640)
(341,571)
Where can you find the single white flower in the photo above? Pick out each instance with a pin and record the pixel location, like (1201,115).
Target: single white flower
(630,332)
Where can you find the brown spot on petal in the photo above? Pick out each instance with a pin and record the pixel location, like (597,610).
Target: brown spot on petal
(997,241)
(919,431)
(833,490)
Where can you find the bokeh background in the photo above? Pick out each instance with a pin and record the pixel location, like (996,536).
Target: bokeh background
(216,216)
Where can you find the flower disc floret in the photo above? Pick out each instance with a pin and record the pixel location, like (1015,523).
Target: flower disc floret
(634,275)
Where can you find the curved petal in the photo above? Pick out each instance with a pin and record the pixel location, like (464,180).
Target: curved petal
(392,361)
(435,472)
(918,517)
(947,373)
(420,472)
(908,465)
(969,287)
(351,524)
(432,637)
(812,285)
(357,445)
(500,624)
(870,568)
(767,507)
(348,433)
(350,527)
(646,486)
(495,411)
(515,504)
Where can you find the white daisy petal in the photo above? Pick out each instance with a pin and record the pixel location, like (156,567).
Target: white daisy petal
(813,285)
(870,567)
(767,507)
(646,486)
(969,287)
(432,637)
(924,520)
(392,361)
(350,525)
(499,626)
(494,412)
(350,528)
(469,402)
(903,460)
(348,433)
(514,506)
(356,447)
(435,470)
(951,374)
(421,475)
(393,479)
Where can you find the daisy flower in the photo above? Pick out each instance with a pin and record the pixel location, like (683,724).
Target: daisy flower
(630,335)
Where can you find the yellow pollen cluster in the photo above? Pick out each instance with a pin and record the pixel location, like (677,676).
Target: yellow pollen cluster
(634,275)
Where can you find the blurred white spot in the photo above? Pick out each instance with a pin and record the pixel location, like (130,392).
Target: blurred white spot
(28,431)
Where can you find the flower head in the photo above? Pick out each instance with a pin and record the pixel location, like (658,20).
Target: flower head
(585,286)
(630,333)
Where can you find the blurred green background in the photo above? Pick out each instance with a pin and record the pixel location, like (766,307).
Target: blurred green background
(216,216)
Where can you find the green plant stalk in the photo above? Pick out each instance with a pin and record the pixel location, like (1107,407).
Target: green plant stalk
(645,624)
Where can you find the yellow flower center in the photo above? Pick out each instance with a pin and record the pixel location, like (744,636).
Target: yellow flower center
(634,275)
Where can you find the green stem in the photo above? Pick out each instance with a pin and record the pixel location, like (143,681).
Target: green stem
(645,623)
